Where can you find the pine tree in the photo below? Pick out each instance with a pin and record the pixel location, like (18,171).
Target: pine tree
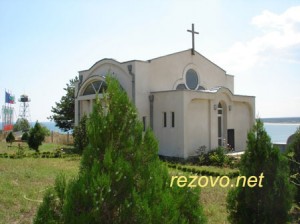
(37,135)
(271,202)
(121,179)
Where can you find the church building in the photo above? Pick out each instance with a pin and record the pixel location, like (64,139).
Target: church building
(186,99)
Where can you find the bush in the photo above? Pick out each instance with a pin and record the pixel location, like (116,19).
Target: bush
(271,202)
(80,135)
(10,138)
(216,157)
(25,136)
(121,179)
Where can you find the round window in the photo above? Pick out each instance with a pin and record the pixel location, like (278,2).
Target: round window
(191,79)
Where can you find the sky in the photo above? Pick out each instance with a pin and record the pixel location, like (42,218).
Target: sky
(43,44)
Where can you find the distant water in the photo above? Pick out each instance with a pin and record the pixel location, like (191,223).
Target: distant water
(50,125)
(280,129)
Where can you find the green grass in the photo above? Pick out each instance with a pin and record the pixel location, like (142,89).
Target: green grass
(45,147)
(28,178)
(24,181)
(213,199)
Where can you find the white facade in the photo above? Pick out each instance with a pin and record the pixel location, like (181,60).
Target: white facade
(186,99)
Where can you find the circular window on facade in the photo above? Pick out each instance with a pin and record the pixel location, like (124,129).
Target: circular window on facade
(191,79)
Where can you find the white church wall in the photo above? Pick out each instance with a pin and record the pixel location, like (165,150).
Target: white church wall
(142,90)
(171,139)
(242,123)
(197,126)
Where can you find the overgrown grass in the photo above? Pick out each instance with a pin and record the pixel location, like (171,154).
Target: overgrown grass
(213,199)
(23,182)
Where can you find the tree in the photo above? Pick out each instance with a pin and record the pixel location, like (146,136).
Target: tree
(10,138)
(21,124)
(25,136)
(271,202)
(293,153)
(121,179)
(37,135)
(64,111)
(80,135)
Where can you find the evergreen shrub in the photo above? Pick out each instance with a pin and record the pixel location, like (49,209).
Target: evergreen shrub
(121,179)
(271,202)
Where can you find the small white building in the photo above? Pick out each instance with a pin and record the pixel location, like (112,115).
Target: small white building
(185,98)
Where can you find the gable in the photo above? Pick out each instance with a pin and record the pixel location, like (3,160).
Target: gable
(167,72)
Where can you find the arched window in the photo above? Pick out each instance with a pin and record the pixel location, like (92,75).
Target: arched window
(95,87)
(191,78)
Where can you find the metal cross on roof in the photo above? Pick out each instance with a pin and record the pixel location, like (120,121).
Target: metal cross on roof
(193,38)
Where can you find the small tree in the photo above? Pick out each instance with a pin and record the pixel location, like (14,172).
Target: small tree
(10,138)
(121,179)
(22,124)
(80,135)
(37,135)
(267,204)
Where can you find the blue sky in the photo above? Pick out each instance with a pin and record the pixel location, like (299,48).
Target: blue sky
(43,44)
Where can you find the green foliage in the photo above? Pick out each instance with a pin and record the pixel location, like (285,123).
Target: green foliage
(37,135)
(293,153)
(50,210)
(21,124)
(63,112)
(205,170)
(216,157)
(25,136)
(121,178)
(80,135)
(267,204)
(10,138)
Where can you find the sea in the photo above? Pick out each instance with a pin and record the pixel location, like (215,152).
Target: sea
(279,129)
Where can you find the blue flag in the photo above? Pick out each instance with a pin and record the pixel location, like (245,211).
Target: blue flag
(9,98)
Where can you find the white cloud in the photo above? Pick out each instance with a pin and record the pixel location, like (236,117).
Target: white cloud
(279,40)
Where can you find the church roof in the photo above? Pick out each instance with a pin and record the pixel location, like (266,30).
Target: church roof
(153,59)
(183,52)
